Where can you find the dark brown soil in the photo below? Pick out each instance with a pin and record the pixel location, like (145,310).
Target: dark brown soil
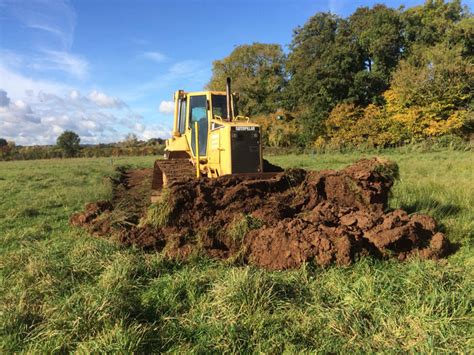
(298,216)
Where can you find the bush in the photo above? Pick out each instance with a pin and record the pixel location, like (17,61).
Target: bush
(350,125)
(279,130)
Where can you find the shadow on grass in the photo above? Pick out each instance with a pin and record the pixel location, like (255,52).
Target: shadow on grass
(437,208)
(453,247)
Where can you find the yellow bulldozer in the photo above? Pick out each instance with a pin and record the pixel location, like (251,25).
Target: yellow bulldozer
(209,140)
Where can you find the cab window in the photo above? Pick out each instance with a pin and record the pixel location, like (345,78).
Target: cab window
(198,113)
(182,115)
(219,106)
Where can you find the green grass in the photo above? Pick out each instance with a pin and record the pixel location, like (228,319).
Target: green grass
(158,213)
(62,290)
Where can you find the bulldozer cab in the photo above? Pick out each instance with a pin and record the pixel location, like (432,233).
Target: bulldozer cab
(200,108)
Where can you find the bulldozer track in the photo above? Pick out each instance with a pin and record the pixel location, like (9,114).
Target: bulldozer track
(166,172)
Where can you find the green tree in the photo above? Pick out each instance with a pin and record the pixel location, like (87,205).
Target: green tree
(257,72)
(130,140)
(430,23)
(322,65)
(462,34)
(69,141)
(379,33)
(4,148)
(436,74)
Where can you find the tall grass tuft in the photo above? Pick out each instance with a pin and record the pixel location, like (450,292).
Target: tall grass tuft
(158,213)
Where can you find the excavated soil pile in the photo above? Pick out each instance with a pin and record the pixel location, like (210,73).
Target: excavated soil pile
(322,216)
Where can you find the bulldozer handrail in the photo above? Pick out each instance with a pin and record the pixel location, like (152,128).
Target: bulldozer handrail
(198,167)
(242,118)
(236,118)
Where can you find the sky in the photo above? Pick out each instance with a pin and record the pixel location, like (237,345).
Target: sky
(107,68)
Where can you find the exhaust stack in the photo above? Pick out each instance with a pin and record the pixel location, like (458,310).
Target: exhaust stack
(230,114)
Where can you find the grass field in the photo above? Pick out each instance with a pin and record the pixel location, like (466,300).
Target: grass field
(62,290)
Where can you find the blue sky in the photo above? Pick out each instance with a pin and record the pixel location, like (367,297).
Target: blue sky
(107,68)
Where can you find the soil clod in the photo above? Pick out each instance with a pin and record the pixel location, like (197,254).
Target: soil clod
(298,216)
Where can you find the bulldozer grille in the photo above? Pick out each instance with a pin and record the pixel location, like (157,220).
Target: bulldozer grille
(245,148)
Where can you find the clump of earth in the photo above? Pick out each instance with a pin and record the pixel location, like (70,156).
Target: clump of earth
(325,217)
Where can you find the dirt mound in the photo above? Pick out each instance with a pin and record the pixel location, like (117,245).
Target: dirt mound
(322,216)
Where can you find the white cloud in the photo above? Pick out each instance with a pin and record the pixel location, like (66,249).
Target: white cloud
(194,73)
(104,100)
(61,61)
(56,19)
(47,116)
(155,131)
(41,117)
(154,56)
(47,36)
(17,84)
(18,112)
(151,131)
(35,109)
(166,107)
(74,95)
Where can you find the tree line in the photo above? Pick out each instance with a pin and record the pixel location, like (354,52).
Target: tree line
(380,77)
(68,146)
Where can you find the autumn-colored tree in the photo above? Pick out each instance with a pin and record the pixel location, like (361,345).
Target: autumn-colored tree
(257,72)
(431,91)
(351,125)
(279,129)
